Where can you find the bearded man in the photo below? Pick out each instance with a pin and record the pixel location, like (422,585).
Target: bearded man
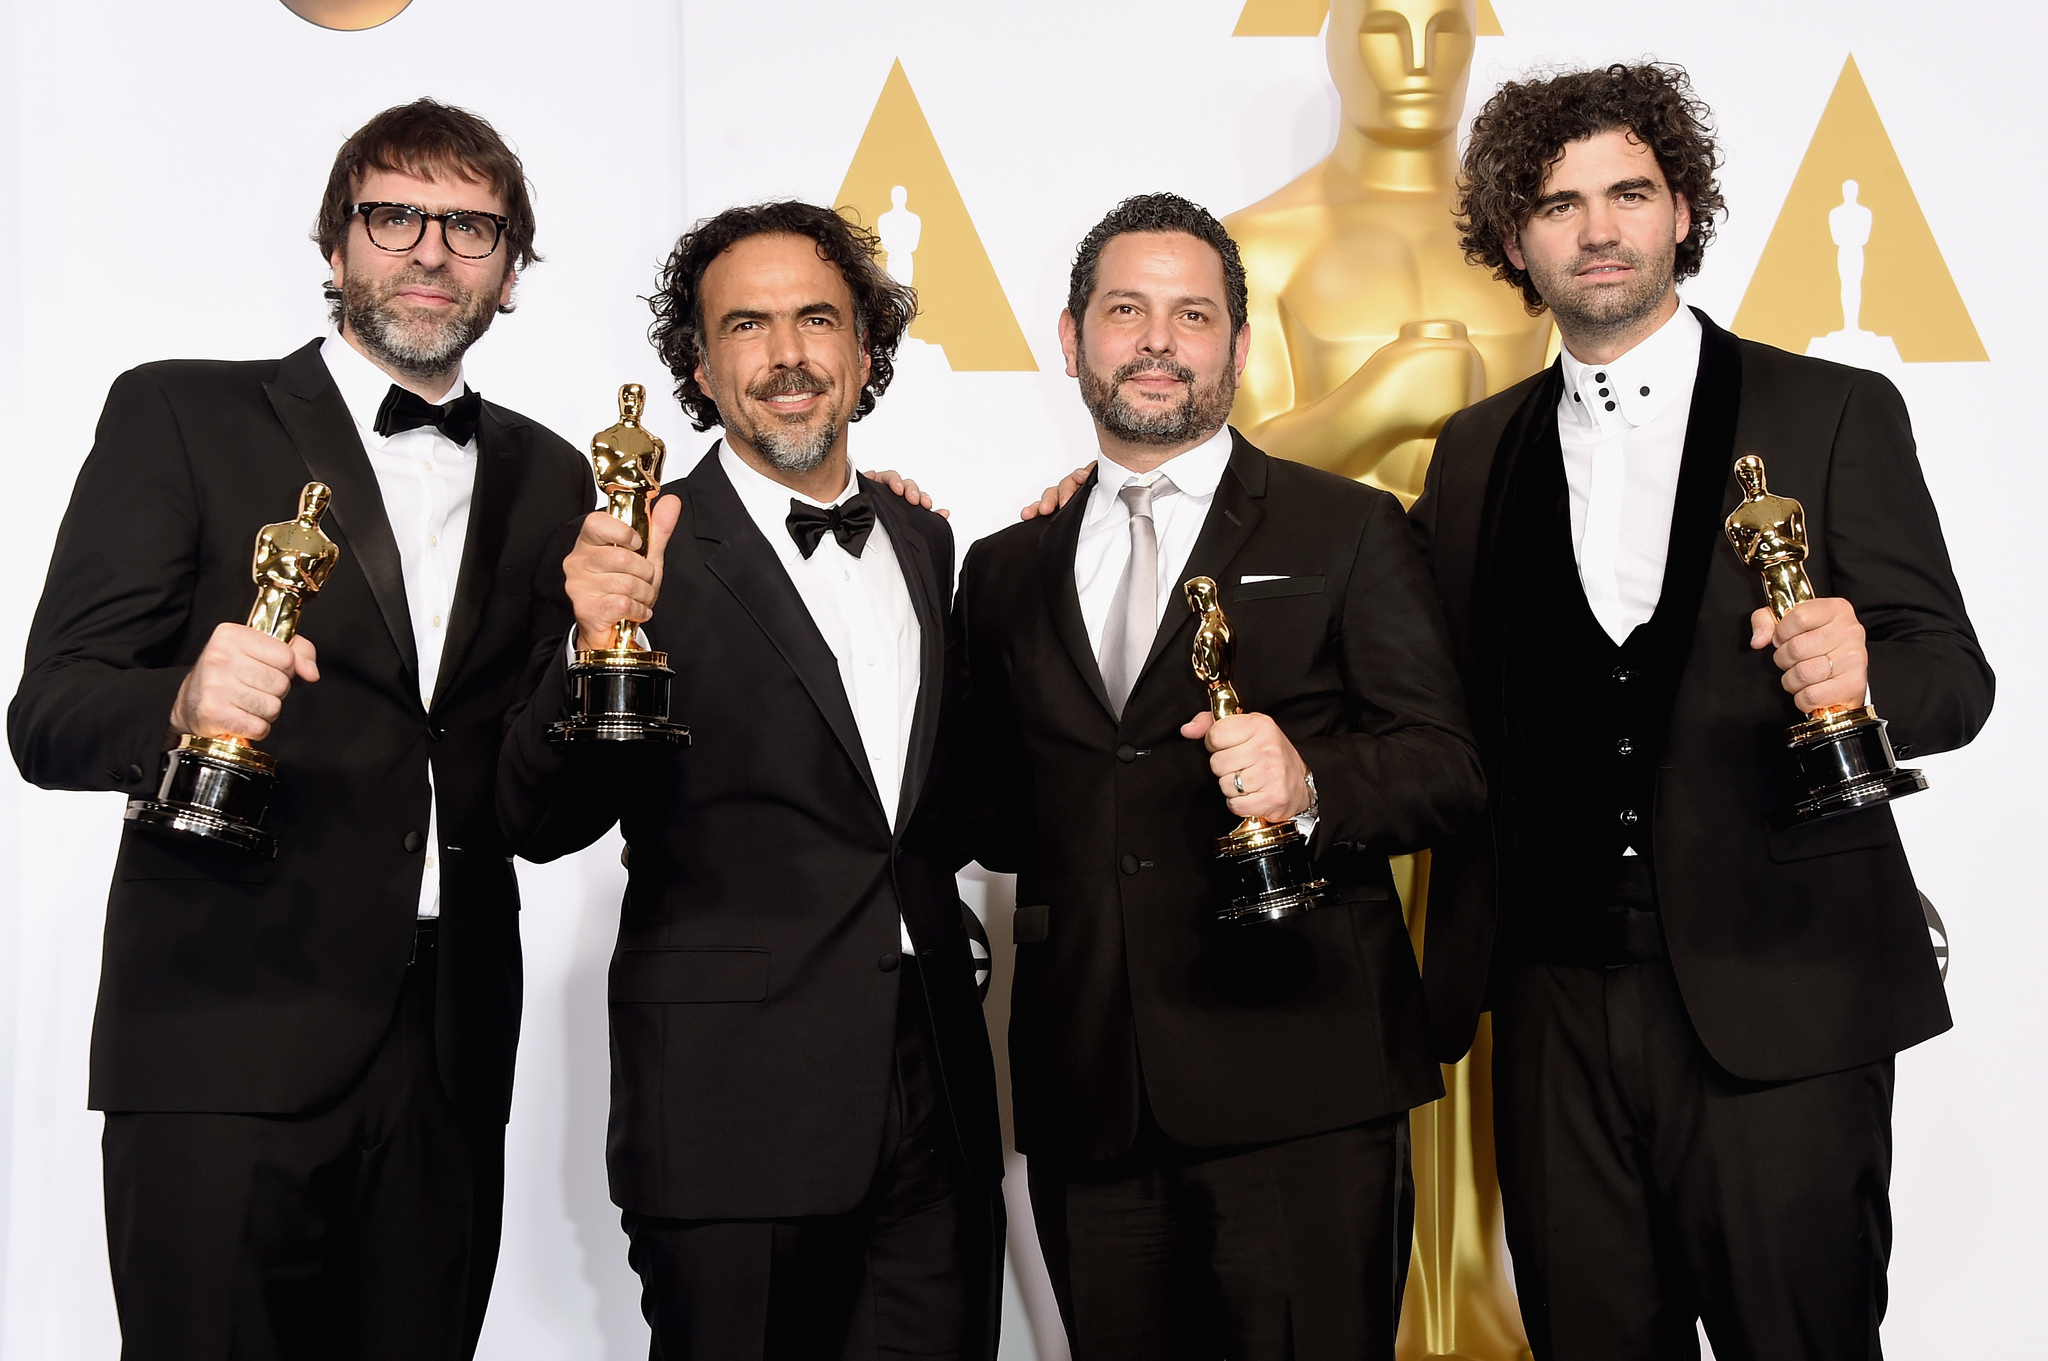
(306,1062)
(1695,1010)
(803,1129)
(1216,1116)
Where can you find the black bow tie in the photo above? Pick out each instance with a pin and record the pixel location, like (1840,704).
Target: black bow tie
(404,410)
(850,522)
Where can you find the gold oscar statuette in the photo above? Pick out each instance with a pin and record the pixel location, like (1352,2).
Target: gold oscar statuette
(1266,864)
(620,692)
(1842,756)
(215,787)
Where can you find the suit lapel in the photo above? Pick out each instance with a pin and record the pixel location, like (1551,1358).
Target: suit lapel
(1062,598)
(921,577)
(1706,490)
(746,563)
(1530,432)
(313,414)
(1233,515)
(499,474)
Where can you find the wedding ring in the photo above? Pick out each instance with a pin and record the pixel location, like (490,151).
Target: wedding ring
(1238,780)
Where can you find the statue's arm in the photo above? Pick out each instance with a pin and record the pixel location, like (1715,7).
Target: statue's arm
(104,662)
(1886,555)
(1405,391)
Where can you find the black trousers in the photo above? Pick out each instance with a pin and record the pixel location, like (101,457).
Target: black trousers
(368,1229)
(915,1270)
(1647,1189)
(1293,1251)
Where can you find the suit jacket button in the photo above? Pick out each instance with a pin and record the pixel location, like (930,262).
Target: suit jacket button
(1127,753)
(414,843)
(1129,864)
(887,963)
(135,774)
(436,731)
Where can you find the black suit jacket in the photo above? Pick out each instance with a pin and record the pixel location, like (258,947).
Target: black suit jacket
(753,996)
(1124,987)
(1798,952)
(264,987)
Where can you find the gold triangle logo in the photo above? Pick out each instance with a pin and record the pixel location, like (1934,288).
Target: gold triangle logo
(1851,270)
(1304,19)
(899,185)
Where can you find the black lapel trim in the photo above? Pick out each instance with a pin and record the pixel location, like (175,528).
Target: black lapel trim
(921,576)
(311,409)
(1062,599)
(500,477)
(1533,426)
(1706,482)
(746,562)
(1233,515)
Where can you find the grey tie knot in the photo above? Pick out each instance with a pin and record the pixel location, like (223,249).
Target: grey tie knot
(1139,496)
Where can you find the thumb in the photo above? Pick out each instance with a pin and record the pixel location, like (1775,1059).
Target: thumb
(1197,728)
(1763,625)
(305,658)
(661,524)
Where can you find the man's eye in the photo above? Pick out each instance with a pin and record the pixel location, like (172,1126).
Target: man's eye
(466,225)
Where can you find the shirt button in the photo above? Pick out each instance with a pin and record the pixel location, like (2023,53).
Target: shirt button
(437,621)
(1599,377)
(430,467)
(1610,406)
(1129,864)
(1603,393)
(871,661)
(1628,817)
(434,540)
(845,575)
(1625,747)
(1646,392)
(1127,753)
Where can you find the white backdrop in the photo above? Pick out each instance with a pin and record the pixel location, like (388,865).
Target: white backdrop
(159,169)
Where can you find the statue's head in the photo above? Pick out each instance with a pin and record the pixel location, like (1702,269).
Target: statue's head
(1749,471)
(313,499)
(632,401)
(1201,593)
(1401,66)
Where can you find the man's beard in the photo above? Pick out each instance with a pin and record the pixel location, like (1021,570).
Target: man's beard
(791,446)
(422,346)
(1200,413)
(1606,310)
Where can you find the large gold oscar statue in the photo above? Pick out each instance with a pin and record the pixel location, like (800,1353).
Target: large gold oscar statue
(1369,330)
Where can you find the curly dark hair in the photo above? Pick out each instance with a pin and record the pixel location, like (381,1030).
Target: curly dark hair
(1157,213)
(430,140)
(1525,127)
(882,308)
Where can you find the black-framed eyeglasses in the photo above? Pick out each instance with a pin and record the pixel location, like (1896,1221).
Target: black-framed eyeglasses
(398,227)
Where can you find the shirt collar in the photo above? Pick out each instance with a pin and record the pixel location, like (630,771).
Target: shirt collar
(766,499)
(1639,386)
(1195,472)
(363,385)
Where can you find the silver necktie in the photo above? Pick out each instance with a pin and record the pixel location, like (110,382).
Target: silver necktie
(1134,610)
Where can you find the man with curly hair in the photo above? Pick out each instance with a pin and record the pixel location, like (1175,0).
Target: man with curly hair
(803,1127)
(1695,1012)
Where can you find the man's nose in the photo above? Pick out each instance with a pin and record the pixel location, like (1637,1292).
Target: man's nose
(431,249)
(785,346)
(1157,336)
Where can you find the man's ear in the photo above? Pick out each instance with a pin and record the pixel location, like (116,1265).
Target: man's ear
(1070,342)
(1511,246)
(1682,210)
(1243,347)
(335,262)
(505,293)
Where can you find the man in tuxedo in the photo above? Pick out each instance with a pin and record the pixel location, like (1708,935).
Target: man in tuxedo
(803,1127)
(1215,1115)
(1694,1011)
(306,1062)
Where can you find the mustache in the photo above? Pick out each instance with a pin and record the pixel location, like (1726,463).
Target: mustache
(1614,255)
(1172,368)
(787,382)
(441,279)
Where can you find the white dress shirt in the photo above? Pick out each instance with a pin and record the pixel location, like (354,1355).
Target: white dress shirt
(1104,547)
(1622,426)
(426,481)
(862,607)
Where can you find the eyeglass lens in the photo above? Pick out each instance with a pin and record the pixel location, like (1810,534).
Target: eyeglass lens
(470,235)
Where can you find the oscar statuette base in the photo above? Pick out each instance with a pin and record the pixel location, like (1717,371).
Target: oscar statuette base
(620,695)
(1844,762)
(213,793)
(1266,870)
